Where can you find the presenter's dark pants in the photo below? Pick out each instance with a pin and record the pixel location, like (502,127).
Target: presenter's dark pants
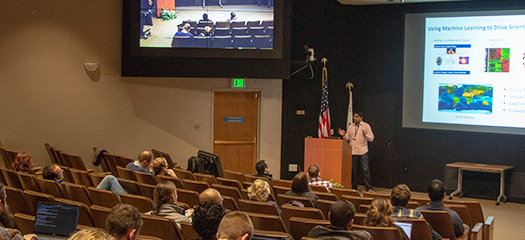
(361,162)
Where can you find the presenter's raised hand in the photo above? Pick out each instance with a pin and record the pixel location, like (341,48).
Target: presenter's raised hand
(341,132)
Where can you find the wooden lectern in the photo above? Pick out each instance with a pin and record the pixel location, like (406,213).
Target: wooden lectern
(334,157)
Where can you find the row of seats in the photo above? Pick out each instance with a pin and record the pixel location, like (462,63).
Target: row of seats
(226,24)
(240,41)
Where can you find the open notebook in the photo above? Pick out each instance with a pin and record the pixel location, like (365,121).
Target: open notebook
(55,220)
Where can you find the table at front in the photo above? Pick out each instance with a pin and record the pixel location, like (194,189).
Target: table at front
(480,168)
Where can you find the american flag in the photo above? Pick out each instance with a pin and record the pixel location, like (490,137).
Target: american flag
(324,115)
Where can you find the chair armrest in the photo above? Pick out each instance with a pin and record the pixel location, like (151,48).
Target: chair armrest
(90,170)
(488,230)
(477,232)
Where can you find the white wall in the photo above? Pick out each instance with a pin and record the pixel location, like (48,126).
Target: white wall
(47,96)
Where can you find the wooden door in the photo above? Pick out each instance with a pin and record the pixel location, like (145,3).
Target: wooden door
(235,124)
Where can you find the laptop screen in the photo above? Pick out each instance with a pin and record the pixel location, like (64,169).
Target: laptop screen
(56,219)
(407,227)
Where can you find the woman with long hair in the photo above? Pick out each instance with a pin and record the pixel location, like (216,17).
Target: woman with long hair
(260,191)
(301,188)
(23,163)
(380,215)
(165,202)
(160,167)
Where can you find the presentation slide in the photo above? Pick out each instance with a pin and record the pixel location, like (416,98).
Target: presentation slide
(474,70)
(472,73)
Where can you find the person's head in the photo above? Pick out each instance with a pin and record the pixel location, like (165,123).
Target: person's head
(124,222)
(436,190)
(400,195)
(53,172)
(262,167)
(205,17)
(300,183)
(91,234)
(6,218)
(259,190)
(235,226)
(211,194)
(187,27)
(313,171)
(145,158)
(358,117)
(23,163)
(165,192)
(206,219)
(342,214)
(232,15)
(379,214)
(159,166)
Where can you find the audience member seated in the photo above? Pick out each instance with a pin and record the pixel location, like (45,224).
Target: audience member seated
(110,182)
(301,188)
(23,163)
(235,226)
(91,234)
(380,215)
(260,191)
(165,199)
(142,164)
(341,218)
(160,167)
(314,173)
(263,170)
(233,17)
(206,219)
(211,194)
(185,31)
(205,17)
(7,227)
(399,198)
(436,193)
(124,222)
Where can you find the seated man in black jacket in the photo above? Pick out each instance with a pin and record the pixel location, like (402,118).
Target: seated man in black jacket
(341,218)
(263,170)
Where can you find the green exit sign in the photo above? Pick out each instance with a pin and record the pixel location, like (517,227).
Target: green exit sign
(238,83)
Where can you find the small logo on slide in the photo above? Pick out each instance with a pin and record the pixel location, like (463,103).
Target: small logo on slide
(463,60)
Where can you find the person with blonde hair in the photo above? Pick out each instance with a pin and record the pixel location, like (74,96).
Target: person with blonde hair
(165,200)
(23,163)
(160,167)
(91,234)
(380,215)
(260,191)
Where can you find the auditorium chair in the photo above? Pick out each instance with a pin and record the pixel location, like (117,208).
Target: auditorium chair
(31,198)
(210,179)
(28,182)
(177,181)
(380,233)
(104,198)
(15,199)
(24,223)
(157,153)
(282,199)
(188,232)
(310,213)
(317,188)
(230,203)
(230,182)
(234,175)
(476,215)
(420,229)
(126,173)
(327,196)
(357,201)
(144,204)
(196,186)
(50,187)
(152,226)
(282,183)
(183,174)
(343,191)
(228,191)
(359,218)
(81,177)
(324,206)
(280,190)
(189,197)
(11,178)
(267,222)
(442,224)
(250,178)
(130,186)
(76,192)
(99,215)
(300,227)
(146,178)
(258,207)
(147,189)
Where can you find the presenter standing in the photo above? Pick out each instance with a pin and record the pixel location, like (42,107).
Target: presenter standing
(358,135)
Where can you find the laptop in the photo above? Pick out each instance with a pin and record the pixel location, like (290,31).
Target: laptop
(407,227)
(55,220)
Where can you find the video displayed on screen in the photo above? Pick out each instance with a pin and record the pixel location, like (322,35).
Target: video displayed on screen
(238,24)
